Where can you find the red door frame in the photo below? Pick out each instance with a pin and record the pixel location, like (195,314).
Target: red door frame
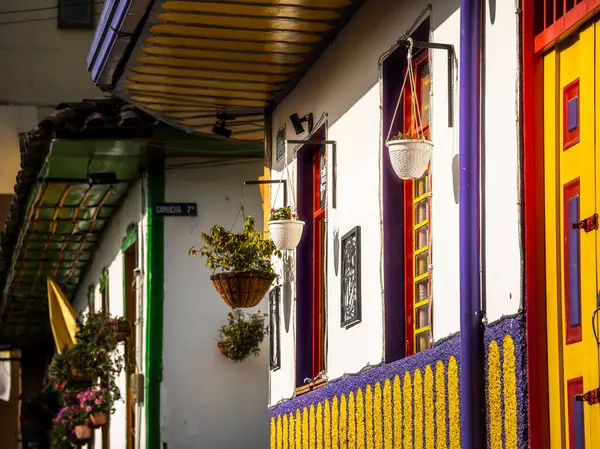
(418,61)
(534,214)
(318,266)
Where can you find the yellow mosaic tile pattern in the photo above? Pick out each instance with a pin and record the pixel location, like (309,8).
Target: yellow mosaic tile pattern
(419,409)
(502,394)
(380,416)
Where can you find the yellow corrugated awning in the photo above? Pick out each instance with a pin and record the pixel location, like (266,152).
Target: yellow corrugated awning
(200,63)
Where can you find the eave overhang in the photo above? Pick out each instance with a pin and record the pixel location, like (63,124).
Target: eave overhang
(57,217)
(191,63)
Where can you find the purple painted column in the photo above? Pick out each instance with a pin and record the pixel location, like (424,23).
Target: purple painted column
(472,393)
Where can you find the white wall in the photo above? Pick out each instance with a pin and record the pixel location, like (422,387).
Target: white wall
(503,241)
(344,84)
(42,66)
(207,401)
(108,254)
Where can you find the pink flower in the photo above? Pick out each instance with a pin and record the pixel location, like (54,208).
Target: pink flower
(97,402)
(88,409)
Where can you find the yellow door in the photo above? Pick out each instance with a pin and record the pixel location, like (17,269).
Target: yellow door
(571,166)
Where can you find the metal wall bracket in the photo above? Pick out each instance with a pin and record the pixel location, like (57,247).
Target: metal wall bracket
(451,63)
(271,181)
(333,174)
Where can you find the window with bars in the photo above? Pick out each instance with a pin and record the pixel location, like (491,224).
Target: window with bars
(76,14)
(417,225)
(552,18)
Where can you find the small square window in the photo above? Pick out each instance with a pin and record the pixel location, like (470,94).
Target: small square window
(571,116)
(76,14)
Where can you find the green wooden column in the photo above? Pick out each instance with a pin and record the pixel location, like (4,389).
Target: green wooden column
(154,292)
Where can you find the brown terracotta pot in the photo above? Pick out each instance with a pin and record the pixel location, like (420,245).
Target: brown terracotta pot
(98,419)
(78,375)
(82,432)
(121,330)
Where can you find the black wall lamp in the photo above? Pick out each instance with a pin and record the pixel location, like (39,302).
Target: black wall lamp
(220,127)
(297,122)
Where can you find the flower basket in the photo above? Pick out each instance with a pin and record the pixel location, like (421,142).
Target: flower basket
(79,376)
(221,347)
(70,397)
(409,157)
(82,433)
(119,329)
(286,234)
(242,288)
(98,419)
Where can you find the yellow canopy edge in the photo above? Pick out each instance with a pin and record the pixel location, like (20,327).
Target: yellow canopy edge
(63,318)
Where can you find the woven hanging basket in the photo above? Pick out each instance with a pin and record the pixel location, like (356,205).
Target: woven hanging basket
(286,234)
(409,157)
(242,289)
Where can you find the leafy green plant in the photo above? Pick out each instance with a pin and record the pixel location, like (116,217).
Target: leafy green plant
(283,213)
(91,360)
(400,136)
(242,336)
(99,399)
(64,423)
(243,251)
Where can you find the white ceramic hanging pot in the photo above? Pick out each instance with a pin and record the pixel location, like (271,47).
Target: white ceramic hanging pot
(286,234)
(409,157)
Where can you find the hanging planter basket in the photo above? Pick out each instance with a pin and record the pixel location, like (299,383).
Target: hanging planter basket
(82,434)
(409,157)
(242,289)
(286,234)
(119,329)
(410,151)
(97,420)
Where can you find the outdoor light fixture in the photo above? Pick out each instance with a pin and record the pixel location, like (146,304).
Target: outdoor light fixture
(297,122)
(220,127)
(102,178)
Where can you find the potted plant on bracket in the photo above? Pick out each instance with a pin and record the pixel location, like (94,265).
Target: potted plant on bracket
(70,426)
(244,259)
(409,156)
(285,228)
(97,403)
(242,336)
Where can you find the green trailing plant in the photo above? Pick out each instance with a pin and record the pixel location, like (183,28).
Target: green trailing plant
(283,213)
(86,375)
(242,336)
(64,423)
(92,357)
(242,251)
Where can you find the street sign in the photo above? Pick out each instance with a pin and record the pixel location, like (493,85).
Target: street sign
(176,210)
